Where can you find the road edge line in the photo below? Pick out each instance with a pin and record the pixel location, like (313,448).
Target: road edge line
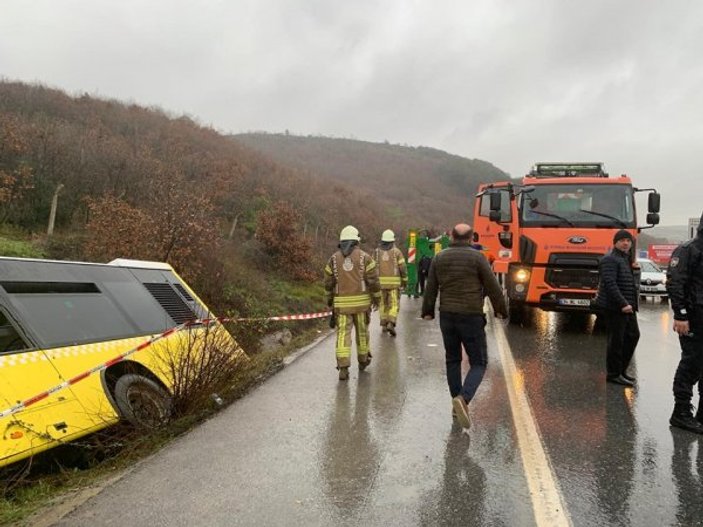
(547,501)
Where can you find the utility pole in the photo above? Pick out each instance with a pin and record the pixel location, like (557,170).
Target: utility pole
(54,206)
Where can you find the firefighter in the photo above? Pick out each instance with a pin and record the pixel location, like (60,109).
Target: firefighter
(352,288)
(393,277)
(685,287)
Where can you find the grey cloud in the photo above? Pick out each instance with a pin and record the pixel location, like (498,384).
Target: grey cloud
(509,82)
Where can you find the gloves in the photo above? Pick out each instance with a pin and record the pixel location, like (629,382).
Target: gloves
(333,322)
(330,302)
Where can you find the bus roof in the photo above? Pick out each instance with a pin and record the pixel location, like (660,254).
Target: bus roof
(119,262)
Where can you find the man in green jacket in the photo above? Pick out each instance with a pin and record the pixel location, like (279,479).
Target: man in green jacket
(462,275)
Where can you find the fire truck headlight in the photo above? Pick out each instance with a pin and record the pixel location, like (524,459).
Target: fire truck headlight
(521,275)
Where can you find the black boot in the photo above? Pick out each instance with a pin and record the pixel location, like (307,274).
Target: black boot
(391,328)
(683,418)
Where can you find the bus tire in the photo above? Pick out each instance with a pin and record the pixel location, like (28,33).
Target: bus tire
(142,401)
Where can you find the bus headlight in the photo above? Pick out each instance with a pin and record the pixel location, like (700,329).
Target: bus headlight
(521,275)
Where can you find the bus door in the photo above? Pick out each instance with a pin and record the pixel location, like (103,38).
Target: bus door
(27,372)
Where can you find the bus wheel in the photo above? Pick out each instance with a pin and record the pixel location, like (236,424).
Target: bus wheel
(141,401)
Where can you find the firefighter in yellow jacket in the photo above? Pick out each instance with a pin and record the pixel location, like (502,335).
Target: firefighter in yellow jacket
(351,283)
(393,277)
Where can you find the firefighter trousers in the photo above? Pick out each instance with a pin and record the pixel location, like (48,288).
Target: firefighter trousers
(388,308)
(346,323)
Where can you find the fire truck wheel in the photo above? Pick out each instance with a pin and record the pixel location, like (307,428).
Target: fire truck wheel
(142,402)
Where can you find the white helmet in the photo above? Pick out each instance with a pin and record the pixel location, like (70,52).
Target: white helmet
(388,236)
(349,233)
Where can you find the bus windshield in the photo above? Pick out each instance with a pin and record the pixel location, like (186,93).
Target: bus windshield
(578,205)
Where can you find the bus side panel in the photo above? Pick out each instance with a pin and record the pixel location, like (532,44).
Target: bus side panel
(43,424)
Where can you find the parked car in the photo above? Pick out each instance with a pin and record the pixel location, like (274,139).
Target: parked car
(652,279)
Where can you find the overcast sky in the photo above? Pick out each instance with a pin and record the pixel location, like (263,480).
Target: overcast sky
(510,82)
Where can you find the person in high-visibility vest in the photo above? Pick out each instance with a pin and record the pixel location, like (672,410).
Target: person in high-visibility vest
(393,276)
(352,290)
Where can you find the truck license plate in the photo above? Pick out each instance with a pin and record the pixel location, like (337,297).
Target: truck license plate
(575,302)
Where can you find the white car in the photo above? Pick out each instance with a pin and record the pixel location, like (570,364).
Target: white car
(652,279)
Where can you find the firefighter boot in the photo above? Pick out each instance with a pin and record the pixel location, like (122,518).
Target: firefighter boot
(683,418)
(390,327)
(365,364)
(343,373)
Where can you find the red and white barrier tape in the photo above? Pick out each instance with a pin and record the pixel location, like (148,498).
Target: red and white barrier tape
(305,316)
(203,322)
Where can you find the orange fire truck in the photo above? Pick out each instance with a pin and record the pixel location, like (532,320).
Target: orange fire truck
(548,233)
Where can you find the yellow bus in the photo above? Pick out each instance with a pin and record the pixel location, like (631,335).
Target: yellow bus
(82,345)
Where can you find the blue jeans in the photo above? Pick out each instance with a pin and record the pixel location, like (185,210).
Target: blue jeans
(469,331)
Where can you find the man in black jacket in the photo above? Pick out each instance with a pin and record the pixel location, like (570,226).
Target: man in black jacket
(685,287)
(617,301)
(460,275)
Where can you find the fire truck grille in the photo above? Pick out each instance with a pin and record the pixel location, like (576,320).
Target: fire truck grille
(573,271)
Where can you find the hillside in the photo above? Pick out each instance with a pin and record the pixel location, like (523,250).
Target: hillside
(240,218)
(416,185)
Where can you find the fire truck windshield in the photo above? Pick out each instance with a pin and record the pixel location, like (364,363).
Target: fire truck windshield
(578,205)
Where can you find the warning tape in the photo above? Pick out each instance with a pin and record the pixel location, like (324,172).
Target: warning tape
(305,316)
(201,322)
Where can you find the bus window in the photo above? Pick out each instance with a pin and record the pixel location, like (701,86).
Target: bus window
(10,339)
(64,314)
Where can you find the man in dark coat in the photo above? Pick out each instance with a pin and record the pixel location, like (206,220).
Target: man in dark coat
(424,270)
(460,275)
(685,287)
(617,301)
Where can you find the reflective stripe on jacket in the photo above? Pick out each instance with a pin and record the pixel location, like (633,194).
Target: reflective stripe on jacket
(352,281)
(391,268)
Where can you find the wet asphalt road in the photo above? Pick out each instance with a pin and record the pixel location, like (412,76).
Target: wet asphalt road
(382,449)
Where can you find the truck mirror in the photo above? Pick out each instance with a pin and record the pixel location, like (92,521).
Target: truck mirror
(653,217)
(494,215)
(496,200)
(506,239)
(653,203)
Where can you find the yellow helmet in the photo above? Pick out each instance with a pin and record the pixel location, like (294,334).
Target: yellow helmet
(388,236)
(349,233)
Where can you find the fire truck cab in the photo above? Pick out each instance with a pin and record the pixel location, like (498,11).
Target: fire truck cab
(548,233)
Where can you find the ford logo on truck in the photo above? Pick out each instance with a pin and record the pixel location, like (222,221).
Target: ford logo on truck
(577,239)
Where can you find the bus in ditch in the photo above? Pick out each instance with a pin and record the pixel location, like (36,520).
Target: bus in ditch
(83,345)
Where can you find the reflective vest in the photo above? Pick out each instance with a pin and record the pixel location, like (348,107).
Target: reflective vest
(391,267)
(354,280)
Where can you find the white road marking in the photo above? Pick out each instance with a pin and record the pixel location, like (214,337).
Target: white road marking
(547,502)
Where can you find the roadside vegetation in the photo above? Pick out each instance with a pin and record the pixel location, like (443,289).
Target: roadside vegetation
(248,221)
(58,474)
